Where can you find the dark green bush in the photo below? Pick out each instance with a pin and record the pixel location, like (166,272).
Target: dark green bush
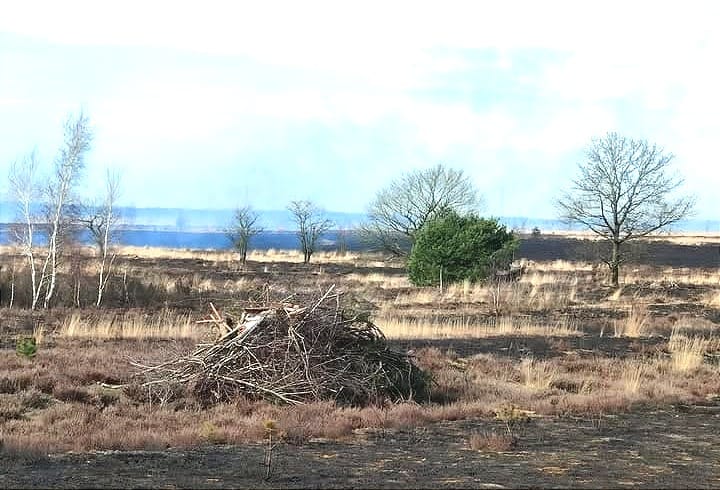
(26,347)
(463,247)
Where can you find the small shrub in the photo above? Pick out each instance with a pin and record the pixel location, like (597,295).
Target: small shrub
(11,407)
(35,399)
(26,347)
(72,394)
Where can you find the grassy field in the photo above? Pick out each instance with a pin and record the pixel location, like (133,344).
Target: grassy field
(558,343)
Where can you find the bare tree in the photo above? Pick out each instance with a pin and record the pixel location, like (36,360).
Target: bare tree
(101,222)
(243,227)
(60,200)
(311,224)
(624,191)
(407,203)
(25,192)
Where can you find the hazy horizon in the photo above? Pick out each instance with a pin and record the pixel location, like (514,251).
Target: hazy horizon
(280,220)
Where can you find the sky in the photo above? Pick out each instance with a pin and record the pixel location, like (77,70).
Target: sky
(217,104)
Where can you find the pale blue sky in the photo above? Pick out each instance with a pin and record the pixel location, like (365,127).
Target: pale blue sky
(212,104)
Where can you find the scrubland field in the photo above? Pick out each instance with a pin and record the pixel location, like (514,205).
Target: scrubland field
(553,380)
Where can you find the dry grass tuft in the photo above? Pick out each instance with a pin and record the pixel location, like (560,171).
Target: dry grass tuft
(492,442)
(637,323)
(537,375)
(712,299)
(560,266)
(687,353)
(539,291)
(615,296)
(295,256)
(631,376)
(39,334)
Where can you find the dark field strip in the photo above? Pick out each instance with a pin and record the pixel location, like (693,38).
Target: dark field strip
(645,449)
(663,254)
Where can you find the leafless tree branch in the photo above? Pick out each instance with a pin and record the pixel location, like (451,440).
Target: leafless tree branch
(311,224)
(625,190)
(406,204)
(244,226)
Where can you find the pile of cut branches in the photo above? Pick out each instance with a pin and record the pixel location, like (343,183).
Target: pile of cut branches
(293,354)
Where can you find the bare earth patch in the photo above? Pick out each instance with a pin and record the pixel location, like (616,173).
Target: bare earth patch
(645,449)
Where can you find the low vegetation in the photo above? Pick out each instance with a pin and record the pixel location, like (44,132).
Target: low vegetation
(557,342)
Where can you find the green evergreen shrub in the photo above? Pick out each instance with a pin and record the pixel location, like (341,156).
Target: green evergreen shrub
(460,248)
(26,347)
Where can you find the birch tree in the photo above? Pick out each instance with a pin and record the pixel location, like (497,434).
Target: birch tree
(625,190)
(101,221)
(24,190)
(60,200)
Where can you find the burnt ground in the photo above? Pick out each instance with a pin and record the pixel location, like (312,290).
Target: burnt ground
(672,448)
(541,347)
(656,253)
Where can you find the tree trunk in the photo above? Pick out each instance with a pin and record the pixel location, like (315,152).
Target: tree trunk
(615,264)
(101,281)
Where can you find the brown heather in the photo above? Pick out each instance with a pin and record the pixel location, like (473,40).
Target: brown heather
(538,344)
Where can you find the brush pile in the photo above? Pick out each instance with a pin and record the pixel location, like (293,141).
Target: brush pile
(293,355)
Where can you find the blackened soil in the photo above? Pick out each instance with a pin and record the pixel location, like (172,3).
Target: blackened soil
(540,347)
(649,449)
(656,253)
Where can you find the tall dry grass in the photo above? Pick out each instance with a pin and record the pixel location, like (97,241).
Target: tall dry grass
(165,325)
(378,279)
(672,275)
(320,257)
(506,297)
(269,255)
(712,299)
(439,328)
